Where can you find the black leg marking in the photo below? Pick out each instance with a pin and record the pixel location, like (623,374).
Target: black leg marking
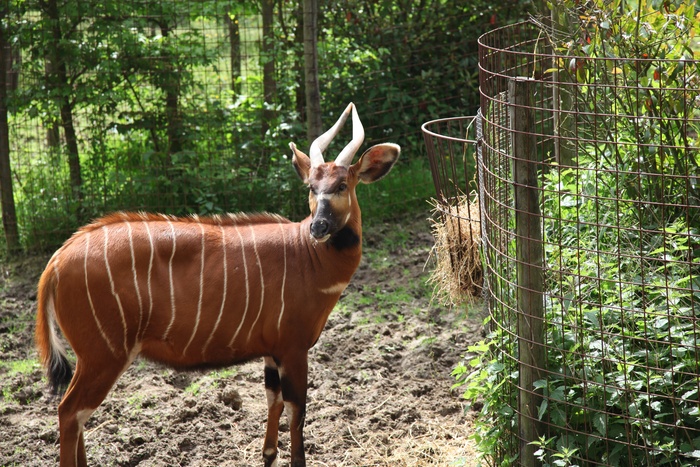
(272,379)
(274,410)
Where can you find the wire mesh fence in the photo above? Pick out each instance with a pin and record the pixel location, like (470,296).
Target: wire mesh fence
(457,275)
(588,183)
(451,144)
(188,107)
(600,354)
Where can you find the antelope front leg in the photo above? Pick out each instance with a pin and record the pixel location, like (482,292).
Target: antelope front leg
(275,406)
(293,373)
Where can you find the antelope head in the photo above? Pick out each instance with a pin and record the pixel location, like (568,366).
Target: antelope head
(332,198)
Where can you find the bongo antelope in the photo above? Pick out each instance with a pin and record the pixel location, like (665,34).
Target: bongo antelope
(199,292)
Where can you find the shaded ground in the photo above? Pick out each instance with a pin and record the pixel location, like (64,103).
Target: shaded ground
(379,382)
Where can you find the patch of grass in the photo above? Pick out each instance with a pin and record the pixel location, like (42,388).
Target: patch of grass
(14,381)
(17,327)
(136,402)
(194,388)
(220,374)
(406,189)
(8,395)
(427,341)
(223,373)
(341,308)
(23,367)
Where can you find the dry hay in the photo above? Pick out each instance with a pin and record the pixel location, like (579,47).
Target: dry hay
(457,276)
(438,443)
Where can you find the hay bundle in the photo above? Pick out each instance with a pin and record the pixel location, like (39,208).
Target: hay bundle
(457,276)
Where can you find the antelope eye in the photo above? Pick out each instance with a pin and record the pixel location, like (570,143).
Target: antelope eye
(312,189)
(342,187)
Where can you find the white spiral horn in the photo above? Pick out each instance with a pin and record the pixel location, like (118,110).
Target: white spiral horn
(321,143)
(358,136)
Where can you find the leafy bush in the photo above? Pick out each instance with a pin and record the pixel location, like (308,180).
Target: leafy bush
(622,339)
(622,267)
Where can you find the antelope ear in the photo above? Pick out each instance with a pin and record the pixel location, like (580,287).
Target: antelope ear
(301,162)
(376,162)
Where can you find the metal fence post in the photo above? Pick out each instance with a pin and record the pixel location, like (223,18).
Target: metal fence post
(528,234)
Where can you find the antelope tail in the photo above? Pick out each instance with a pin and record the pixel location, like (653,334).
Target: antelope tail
(51,350)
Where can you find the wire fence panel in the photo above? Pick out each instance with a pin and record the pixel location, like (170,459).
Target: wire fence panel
(614,146)
(189,107)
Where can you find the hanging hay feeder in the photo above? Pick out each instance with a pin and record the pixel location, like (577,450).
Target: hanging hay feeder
(451,147)
(457,276)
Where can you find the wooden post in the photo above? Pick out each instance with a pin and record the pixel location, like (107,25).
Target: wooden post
(529,257)
(313,93)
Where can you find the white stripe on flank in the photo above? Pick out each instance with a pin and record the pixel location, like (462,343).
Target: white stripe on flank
(114,289)
(284,279)
(335,288)
(247,288)
(223,295)
(262,282)
(201,292)
(92,305)
(148,283)
(172,285)
(136,281)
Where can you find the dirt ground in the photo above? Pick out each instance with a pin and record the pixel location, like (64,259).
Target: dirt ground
(379,382)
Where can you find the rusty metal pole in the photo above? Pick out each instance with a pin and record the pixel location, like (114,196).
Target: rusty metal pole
(529,257)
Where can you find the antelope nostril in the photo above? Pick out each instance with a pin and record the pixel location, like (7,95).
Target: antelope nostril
(320,228)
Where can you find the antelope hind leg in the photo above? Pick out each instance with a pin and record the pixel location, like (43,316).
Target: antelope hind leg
(86,391)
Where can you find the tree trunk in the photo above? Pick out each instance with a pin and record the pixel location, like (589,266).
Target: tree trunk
(7,199)
(269,84)
(313,93)
(234,37)
(171,88)
(53,136)
(13,56)
(66,108)
(300,93)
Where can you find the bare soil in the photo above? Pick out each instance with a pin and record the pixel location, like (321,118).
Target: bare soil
(379,382)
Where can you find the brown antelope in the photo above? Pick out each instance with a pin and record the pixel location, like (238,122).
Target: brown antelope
(201,292)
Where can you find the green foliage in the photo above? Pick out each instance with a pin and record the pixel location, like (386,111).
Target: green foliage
(621,331)
(411,61)
(487,382)
(635,60)
(164,124)
(622,270)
